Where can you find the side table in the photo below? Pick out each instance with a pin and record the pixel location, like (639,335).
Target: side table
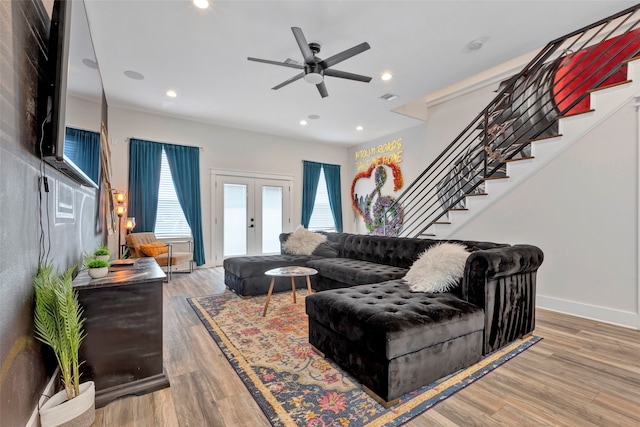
(290,272)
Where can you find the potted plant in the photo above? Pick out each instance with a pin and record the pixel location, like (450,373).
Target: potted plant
(97,268)
(102,252)
(58,323)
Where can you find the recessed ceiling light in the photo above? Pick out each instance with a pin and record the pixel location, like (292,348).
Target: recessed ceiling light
(386,76)
(475,44)
(202,4)
(134,75)
(359,128)
(172,93)
(303,122)
(90,63)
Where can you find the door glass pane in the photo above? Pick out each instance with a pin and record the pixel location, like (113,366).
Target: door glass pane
(271,218)
(235,219)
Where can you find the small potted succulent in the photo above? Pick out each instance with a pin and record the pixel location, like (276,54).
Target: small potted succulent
(97,268)
(102,252)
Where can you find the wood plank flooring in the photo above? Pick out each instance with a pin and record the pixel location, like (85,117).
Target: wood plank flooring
(583,373)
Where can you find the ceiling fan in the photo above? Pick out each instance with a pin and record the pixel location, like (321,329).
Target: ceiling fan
(314,68)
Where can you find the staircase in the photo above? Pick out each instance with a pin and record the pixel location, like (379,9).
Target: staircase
(604,102)
(574,84)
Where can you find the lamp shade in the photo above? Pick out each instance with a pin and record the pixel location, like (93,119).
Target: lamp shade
(130,223)
(119,196)
(120,209)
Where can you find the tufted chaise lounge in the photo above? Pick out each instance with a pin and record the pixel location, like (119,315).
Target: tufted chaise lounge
(392,340)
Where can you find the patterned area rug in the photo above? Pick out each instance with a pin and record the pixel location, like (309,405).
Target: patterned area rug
(294,385)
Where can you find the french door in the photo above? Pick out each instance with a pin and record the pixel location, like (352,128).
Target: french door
(250,213)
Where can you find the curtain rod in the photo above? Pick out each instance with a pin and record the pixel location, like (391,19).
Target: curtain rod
(168,143)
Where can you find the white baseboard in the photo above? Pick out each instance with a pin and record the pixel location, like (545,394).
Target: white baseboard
(34,420)
(602,314)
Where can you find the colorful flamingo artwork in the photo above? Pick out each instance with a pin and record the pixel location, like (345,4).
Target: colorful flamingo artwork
(371,207)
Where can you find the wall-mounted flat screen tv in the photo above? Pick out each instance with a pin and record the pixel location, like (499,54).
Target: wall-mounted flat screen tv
(69,26)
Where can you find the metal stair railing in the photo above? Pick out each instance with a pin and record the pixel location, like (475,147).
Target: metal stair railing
(527,107)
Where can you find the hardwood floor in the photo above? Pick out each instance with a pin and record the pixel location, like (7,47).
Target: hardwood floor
(583,373)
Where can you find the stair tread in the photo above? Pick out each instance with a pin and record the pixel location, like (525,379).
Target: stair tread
(457,209)
(595,89)
(475,194)
(442,223)
(576,114)
(635,58)
(519,159)
(494,177)
(428,234)
(542,138)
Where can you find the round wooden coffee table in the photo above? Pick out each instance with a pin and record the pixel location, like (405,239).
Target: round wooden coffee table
(288,272)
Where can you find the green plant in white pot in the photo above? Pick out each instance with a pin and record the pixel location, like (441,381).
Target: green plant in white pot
(102,252)
(97,268)
(58,323)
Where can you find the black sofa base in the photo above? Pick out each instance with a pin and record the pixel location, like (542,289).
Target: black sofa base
(252,286)
(394,341)
(378,376)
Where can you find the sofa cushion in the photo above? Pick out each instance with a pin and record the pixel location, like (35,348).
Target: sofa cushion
(398,251)
(355,272)
(327,249)
(388,319)
(252,266)
(303,242)
(154,249)
(438,269)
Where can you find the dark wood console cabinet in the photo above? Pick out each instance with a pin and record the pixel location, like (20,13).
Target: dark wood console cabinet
(123,347)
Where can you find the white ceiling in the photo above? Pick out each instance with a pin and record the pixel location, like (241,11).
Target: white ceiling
(202,55)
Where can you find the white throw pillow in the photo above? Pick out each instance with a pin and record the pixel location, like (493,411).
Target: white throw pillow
(438,269)
(303,241)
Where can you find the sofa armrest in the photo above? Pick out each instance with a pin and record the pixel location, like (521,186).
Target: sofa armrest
(502,281)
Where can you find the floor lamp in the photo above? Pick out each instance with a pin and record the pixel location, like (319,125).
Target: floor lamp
(120,209)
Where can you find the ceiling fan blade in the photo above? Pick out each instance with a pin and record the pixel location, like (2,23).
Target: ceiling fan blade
(322,89)
(304,46)
(345,75)
(291,80)
(345,54)
(284,64)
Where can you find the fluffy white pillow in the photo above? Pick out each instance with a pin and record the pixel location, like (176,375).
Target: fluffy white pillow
(303,241)
(438,269)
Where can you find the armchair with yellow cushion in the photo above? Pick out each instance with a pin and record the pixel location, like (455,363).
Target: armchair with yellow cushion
(147,245)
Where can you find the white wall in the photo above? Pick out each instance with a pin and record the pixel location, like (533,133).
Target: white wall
(223,148)
(582,211)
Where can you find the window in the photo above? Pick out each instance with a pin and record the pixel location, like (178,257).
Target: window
(322,218)
(170,221)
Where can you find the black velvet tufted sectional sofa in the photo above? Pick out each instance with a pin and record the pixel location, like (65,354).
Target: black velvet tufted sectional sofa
(392,340)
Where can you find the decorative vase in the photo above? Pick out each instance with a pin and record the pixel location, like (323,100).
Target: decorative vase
(77,412)
(97,273)
(103,257)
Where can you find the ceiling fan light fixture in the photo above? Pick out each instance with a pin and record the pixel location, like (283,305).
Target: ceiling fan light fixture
(313,74)
(313,78)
